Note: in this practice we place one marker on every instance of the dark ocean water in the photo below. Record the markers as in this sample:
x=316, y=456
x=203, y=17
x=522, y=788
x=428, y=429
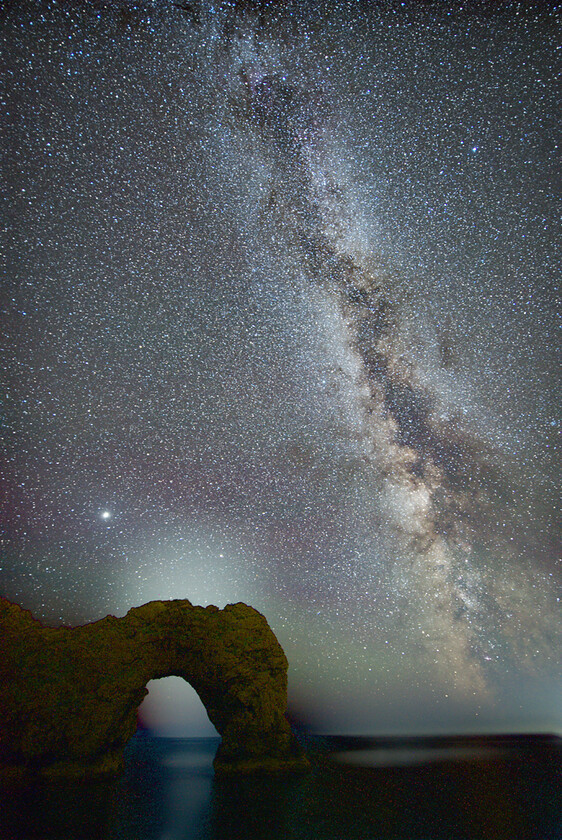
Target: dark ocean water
x=405, y=789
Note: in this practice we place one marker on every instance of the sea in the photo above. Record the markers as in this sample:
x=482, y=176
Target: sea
x=470, y=787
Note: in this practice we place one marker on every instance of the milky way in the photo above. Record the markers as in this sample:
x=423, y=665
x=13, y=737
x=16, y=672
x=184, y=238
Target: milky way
x=280, y=328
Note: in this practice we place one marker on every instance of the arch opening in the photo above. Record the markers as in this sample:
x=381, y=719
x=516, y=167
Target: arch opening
x=173, y=709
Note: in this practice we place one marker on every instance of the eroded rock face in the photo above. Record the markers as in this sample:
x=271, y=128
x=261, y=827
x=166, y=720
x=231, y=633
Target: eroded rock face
x=69, y=696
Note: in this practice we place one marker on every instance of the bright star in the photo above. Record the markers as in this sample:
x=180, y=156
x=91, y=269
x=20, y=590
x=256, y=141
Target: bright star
x=105, y=514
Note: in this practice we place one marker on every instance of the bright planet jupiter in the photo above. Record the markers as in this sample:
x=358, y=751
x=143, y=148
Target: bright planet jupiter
x=278, y=326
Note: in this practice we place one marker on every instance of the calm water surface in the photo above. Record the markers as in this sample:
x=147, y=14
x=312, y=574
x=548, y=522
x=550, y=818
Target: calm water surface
x=405, y=789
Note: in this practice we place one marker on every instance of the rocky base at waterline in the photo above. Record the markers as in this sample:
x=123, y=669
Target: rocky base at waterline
x=69, y=695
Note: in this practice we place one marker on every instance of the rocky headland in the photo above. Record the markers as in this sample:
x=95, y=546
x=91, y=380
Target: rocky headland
x=69, y=695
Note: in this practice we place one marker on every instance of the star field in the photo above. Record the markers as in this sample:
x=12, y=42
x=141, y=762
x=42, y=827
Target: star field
x=278, y=325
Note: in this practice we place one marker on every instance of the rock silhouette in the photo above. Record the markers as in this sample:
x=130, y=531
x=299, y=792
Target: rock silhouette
x=69, y=696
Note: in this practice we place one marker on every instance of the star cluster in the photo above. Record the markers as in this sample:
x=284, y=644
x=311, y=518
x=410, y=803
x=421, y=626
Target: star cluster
x=278, y=326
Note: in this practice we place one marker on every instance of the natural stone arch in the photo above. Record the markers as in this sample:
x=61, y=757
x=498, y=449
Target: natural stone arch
x=69, y=696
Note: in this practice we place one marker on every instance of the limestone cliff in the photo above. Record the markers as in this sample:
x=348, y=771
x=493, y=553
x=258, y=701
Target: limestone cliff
x=69, y=696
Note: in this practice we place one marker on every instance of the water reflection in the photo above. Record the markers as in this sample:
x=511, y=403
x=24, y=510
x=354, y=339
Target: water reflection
x=429, y=789
x=410, y=756
x=166, y=791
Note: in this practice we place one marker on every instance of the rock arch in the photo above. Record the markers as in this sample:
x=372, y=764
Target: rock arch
x=69, y=696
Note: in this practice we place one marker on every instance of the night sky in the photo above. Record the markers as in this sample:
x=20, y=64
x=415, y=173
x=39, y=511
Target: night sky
x=278, y=325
